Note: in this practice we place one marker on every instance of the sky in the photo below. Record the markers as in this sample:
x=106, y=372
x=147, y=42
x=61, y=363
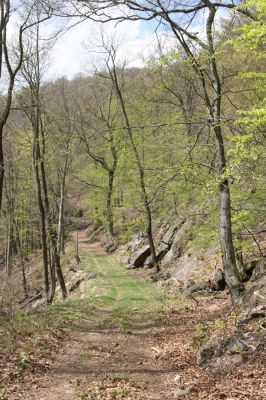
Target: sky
x=78, y=49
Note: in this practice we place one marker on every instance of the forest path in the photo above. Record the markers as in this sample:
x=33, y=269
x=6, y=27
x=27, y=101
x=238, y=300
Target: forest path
x=113, y=353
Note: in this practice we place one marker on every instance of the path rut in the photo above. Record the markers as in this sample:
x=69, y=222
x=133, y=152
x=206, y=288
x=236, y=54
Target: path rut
x=101, y=359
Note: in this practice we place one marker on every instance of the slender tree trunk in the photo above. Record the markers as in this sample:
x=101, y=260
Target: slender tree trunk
x=51, y=230
x=22, y=260
x=2, y=167
x=36, y=160
x=8, y=240
x=53, y=276
x=109, y=209
x=226, y=238
x=140, y=168
x=60, y=220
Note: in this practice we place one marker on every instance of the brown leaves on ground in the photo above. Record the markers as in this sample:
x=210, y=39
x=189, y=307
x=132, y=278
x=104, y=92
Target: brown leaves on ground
x=112, y=388
x=169, y=350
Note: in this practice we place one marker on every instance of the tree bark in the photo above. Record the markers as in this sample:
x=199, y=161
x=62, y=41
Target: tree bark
x=109, y=209
x=226, y=238
x=36, y=160
x=144, y=194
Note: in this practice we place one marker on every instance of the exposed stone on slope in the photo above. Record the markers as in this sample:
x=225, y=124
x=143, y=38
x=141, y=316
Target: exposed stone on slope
x=135, y=241
x=169, y=235
x=223, y=348
x=248, y=269
x=259, y=269
x=179, y=240
x=218, y=280
x=192, y=287
x=138, y=259
x=253, y=313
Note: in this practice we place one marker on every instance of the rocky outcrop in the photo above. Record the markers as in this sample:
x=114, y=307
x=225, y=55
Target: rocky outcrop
x=259, y=269
x=135, y=241
x=138, y=259
x=178, y=242
x=221, y=352
x=252, y=313
x=218, y=280
x=141, y=256
x=191, y=287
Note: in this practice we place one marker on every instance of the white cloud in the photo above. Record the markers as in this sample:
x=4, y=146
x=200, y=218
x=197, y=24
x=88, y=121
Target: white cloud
x=80, y=50
x=137, y=42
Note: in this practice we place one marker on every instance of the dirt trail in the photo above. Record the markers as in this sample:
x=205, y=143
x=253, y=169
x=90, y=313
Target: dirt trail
x=103, y=361
x=143, y=358
x=86, y=244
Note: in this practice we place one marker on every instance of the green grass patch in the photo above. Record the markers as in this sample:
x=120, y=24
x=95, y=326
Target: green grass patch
x=115, y=297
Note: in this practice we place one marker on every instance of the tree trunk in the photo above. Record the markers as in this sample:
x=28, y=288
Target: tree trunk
x=51, y=230
x=2, y=167
x=231, y=273
x=21, y=256
x=36, y=160
x=109, y=209
x=228, y=254
x=139, y=165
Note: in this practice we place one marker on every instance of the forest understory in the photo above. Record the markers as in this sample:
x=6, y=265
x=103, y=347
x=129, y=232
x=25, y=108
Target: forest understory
x=132, y=199
x=120, y=339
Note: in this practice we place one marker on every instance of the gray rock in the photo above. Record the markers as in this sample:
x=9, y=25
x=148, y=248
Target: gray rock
x=169, y=235
x=247, y=315
x=135, y=241
x=208, y=351
x=218, y=282
x=248, y=270
x=192, y=287
x=228, y=346
x=179, y=393
x=239, y=346
x=259, y=270
x=148, y=263
x=74, y=284
x=225, y=363
x=178, y=242
x=184, y=267
x=138, y=259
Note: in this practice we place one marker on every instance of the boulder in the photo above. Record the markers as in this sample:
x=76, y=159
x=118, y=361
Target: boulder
x=184, y=268
x=224, y=348
x=248, y=269
x=148, y=263
x=111, y=247
x=218, y=280
x=169, y=235
x=75, y=283
x=163, y=250
x=138, y=259
x=192, y=287
x=135, y=241
x=253, y=313
x=259, y=269
x=177, y=243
